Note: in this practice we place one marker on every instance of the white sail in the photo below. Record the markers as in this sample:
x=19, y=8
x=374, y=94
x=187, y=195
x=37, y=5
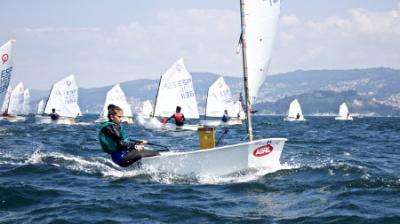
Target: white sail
x=147, y=109
x=15, y=106
x=6, y=101
x=176, y=89
x=40, y=109
x=343, y=110
x=295, y=110
x=219, y=98
x=261, y=27
x=6, y=67
x=117, y=97
x=27, y=100
x=64, y=98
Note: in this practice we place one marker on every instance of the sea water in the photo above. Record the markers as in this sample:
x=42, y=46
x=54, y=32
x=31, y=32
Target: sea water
x=331, y=171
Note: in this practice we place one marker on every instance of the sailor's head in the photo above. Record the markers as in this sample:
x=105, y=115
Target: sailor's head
x=115, y=113
x=53, y=110
x=178, y=109
x=225, y=111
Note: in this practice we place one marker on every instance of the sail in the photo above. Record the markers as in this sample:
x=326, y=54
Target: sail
x=219, y=98
x=64, y=98
x=26, y=102
x=295, y=109
x=6, y=67
x=40, y=109
x=117, y=97
x=147, y=108
x=343, y=110
x=4, y=107
x=261, y=27
x=15, y=106
x=176, y=89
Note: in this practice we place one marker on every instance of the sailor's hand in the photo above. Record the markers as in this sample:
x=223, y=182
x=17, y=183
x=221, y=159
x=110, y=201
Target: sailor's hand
x=139, y=147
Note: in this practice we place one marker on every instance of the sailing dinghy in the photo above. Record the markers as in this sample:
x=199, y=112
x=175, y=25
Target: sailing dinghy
x=64, y=99
x=117, y=97
x=15, y=107
x=175, y=89
x=40, y=108
x=344, y=114
x=295, y=113
x=259, y=23
x=219, y=99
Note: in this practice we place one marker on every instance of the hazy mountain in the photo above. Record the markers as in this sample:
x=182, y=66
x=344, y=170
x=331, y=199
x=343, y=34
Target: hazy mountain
x=373, y=91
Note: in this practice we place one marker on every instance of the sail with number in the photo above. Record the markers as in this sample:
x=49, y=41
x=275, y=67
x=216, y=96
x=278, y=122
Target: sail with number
x=15, y=106
x=64, y=98
x=219, y=98
x=6, y=67
x=262, y=19
x=176, y=89
x=117, y=97
x=40, y=109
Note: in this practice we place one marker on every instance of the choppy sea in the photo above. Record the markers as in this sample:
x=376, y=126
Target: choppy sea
x=332, y=172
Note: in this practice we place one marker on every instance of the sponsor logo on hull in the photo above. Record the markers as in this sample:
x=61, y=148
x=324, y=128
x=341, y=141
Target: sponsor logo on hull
x=263, y=150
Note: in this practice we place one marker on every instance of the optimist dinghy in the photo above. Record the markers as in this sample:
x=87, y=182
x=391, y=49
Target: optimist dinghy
x=64, y=98
x=175, y=89
x=344, y=114
x=259, y=21
x=6, y=68
x=295, y=113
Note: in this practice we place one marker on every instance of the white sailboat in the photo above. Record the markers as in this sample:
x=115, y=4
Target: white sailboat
x=175, y=89
x=6, y=67
x=16, y=104
x=219, y=99
x=64, y=99
x=344, y=114
x=295, y=113
x=147, y=109
x=4, y=107
x=117, y=97
x=262, y=18
x=40, y=108
x=239, y=110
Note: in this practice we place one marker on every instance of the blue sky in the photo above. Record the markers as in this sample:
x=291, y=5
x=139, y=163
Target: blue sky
x=104, y=42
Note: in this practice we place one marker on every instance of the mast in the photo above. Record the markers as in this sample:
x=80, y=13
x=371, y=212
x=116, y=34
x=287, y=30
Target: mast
x=245, y=72
x=156, y=98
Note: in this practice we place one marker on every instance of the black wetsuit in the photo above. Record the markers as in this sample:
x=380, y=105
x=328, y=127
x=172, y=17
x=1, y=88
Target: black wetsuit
x=54, y=116
x=126, y=152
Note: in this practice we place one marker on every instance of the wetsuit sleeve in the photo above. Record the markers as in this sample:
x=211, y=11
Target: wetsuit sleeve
x=113, y=132
x=171, y=117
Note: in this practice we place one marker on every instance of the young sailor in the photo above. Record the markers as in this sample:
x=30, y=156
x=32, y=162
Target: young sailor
x=179, y=117
x=54, y=116
x=226, y=117
x=113, y=140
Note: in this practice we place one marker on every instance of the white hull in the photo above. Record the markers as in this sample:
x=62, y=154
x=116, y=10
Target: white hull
x=294, y=119
x=343, y=118
x=48, y=120
x=155, y=124
x=216, y=123
x=13, y=118
x=219, y=161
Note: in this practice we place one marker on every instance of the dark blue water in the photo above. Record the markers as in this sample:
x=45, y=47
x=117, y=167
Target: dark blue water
x=332, y=172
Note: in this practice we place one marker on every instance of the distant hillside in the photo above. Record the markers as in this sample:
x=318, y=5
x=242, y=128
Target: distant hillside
x=373, y=91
